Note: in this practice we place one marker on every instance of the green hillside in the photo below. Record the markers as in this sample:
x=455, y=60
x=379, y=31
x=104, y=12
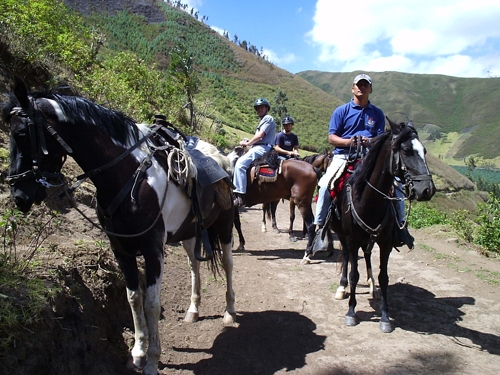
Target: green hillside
x=125, y=56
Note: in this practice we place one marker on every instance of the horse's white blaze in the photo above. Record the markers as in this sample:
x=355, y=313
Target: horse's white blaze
x=58, y=110
x=417, y=146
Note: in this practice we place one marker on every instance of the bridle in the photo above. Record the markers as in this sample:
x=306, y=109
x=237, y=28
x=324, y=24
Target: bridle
x=397, y=168
x=38, y=150
x=175, y=162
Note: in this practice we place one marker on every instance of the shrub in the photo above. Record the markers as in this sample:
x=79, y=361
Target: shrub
x=422, y=216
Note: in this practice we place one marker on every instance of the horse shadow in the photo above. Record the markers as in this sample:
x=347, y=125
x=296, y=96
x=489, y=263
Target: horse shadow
x=291, y=253
x=264, y=343
x=418, y=310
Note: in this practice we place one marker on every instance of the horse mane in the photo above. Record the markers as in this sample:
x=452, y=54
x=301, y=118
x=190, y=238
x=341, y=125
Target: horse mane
x=364, y=171
x=310, y=158
x=78, y=109
x=269, y=158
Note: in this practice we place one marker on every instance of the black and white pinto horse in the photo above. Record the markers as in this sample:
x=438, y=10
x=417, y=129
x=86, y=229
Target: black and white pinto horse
x=143, y=196
x=365, y=213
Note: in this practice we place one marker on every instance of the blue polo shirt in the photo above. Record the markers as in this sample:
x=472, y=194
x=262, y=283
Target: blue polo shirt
x=350, y=119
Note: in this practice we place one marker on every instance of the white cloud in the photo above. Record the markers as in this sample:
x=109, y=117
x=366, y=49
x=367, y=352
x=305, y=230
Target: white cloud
x=445, y=37
x=218, y=29
x=283, y=60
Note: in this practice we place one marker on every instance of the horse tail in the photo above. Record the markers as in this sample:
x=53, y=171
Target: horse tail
x=216, y=260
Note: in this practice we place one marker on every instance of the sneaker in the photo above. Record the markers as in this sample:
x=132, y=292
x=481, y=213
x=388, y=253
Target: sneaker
x=238, y=200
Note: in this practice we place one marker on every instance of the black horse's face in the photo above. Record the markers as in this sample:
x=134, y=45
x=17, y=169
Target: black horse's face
x=410, y=163
x=28, y=163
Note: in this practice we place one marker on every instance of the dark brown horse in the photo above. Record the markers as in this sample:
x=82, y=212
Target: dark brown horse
x=144, y=198
x=297, y=181
x=319, y=161
x=365, y=212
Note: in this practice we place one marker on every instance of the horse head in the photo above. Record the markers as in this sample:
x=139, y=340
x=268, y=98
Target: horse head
x=408, y=161
x=36, y=158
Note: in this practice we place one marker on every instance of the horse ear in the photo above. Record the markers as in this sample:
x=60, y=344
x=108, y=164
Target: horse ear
x=395, y=128
x=21, y=92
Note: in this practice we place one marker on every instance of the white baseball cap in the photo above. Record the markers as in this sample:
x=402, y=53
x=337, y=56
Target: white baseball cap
x=362, y=76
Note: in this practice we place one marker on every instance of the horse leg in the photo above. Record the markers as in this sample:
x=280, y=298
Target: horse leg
x=341, y=292
x=308, y=218
x=374, y=293
x=383, y=280
x=227, y=264
x=145, y=311
x=265, y=210
x=154, y=272
x=274, y=207
x=237, y=225
x=350, y=318
x=292, y=219
x=193, y=314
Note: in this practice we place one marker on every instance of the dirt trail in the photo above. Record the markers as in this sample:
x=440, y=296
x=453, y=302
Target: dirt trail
x=446, y=318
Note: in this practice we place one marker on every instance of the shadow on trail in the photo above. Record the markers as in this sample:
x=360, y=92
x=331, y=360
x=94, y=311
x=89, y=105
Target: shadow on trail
x=264, y=343
x=291, y=253
x=417, y=310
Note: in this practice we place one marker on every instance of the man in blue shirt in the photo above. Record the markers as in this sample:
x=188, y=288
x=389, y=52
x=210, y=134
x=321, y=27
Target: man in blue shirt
x=261, y=143
x=286, y=143
x=357, y=118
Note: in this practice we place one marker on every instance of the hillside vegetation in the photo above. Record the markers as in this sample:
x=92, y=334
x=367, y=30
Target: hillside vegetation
x=133, y=58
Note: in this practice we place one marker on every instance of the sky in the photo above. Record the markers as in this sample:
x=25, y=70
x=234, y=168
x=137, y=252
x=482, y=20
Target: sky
x=458, y=38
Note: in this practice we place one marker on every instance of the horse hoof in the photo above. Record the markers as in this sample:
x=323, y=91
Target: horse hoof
x=263, y=229
x=350, y=321
x=293, y=239
x=229, y=318
x=385, y=327
x=340, y=294
x=240, y=249
x=305, y=260
x=276, y=230
x=136, y=363
x=191, y=317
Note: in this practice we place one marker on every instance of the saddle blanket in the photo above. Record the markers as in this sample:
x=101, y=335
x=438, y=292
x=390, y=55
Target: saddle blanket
x=267, y=172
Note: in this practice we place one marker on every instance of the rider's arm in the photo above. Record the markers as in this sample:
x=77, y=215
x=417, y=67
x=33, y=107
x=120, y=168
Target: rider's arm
x=282, y=151
x=337, y=141
x=255, y=139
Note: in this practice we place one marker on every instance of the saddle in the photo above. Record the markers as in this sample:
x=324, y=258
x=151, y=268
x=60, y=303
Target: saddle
x=265, y=168
x=337, y=183
x=212, y=185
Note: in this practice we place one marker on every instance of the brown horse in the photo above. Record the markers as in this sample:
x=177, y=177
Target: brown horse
x=296, y=181
x=320, y=161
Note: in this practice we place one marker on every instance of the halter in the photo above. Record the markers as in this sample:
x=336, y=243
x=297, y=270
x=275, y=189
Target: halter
x=38, y=149
x=398, y=164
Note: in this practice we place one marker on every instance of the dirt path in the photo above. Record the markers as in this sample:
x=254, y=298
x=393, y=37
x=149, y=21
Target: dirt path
x=445, y=313
x=446, y=318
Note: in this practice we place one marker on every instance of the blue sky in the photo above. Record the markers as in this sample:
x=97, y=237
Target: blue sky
x=453, y=37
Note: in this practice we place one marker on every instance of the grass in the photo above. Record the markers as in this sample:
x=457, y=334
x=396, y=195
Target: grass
x=22, y=299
